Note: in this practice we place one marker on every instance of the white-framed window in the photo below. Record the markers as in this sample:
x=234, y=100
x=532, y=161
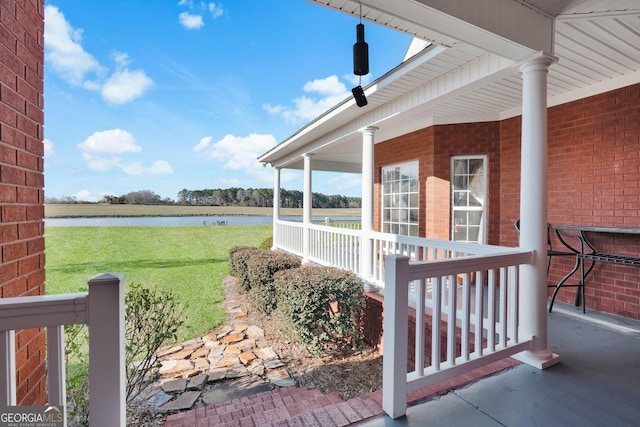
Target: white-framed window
x=469, y=198
x=400, y=199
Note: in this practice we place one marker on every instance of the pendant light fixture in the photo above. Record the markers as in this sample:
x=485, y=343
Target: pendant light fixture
x=360, y=62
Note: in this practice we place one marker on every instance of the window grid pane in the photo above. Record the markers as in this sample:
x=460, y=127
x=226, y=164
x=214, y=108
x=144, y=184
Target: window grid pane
x=400, y=199
x=468, y=193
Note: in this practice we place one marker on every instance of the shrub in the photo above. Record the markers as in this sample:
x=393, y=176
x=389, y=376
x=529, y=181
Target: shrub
x=267, y=243
x=260, y=270
x=322, y=305
x=152, y=317
x=238, y=258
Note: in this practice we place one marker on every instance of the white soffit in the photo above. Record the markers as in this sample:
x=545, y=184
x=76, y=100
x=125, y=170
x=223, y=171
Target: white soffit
x=597, y=43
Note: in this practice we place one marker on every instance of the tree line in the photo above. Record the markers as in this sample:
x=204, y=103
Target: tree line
x=262, y=197
x=251, y=197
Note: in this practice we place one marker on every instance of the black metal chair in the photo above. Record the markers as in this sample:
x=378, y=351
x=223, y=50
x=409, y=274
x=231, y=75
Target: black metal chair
x=551, y=252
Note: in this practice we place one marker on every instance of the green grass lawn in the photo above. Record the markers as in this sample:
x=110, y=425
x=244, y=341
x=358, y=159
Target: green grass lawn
x=188, y=261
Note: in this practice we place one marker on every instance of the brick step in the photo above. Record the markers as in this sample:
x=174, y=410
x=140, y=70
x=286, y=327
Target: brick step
x=288, y=406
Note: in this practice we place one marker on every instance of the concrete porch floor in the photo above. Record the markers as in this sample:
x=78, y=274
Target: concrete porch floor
x=596, y=383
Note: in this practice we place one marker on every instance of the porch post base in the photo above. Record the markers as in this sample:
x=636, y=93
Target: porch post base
x=540, y=360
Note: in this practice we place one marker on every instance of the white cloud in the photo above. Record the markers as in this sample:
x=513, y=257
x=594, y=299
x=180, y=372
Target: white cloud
x=125, y=86
x=67, y=58
x=191, y=22
x=63, y=49
x=329, y=86
x=216, y=10
x=90, y=196
x=238, y=154
x=110, y=141
x=103, y=151
x=48, y=148
x=204, y=143
x=194, y=20
x=330, y=91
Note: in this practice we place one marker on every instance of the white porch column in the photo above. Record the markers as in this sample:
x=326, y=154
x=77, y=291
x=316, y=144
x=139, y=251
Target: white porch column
x=533, y=211
x=366, y=254
x=276, y=206
x=306, y=208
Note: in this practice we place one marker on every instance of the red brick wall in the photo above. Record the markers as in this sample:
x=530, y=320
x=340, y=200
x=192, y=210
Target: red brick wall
x=414, y=146
x=433, y=147
x=594, y=179
x=22, y=179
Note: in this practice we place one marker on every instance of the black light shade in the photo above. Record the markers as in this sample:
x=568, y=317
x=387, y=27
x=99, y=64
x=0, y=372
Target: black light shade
x=358, y=94
x=360, y=53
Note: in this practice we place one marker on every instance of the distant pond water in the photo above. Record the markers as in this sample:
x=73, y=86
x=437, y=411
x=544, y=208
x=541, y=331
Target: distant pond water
x=150, y=221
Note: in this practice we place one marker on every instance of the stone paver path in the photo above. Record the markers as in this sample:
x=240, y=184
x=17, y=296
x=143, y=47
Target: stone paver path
x=233, y=362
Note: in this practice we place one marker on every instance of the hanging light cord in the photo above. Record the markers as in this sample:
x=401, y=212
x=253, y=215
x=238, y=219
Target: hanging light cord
x=360, y=77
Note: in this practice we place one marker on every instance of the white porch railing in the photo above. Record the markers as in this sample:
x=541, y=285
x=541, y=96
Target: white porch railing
x=102, y=309
x=477, y=297
x=341, y=247
x=470, y=292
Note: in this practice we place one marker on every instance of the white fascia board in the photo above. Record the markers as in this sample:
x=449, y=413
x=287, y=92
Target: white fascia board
x=285, y=152
x=505, y=27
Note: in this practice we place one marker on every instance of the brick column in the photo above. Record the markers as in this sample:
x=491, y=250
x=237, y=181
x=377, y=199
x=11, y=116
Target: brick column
x=22, y=180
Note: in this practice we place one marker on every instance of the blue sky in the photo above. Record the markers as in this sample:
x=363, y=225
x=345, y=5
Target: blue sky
x=163, y=95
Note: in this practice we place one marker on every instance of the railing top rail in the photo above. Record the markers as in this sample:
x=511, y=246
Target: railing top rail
x=463, y=247
x=336, y=230
x=42, y=310
x=445, y=267
x=291, y=223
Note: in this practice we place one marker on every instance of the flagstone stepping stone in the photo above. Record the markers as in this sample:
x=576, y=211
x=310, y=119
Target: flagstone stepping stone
x=233, y=338
x=247, y=344
x=225, y=330
x=202, y=352
x=227, y=361
x=183, y=401
x=161, y=398
x=254, y=332
x=240, y=315
x=238, y=372
x=266, y=353
x=281, y=377
x=247, y=357
x=184, y=354
x=168, y=350
x=176, y=385
x=232, y=349
x=197, y=382
x=257, y=368
x=273, y=363
x=239, y=327
x=202, y=364
x=217, y=351
x=229, y=390
x=216, y=374
x=175, y=367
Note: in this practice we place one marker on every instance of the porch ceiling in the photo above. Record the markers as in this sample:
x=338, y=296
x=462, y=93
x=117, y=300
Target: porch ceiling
x=469, y=73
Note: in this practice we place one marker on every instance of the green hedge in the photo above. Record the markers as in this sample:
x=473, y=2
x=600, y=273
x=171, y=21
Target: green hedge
x=238, y=259
x=261, y=268
x=322, y=304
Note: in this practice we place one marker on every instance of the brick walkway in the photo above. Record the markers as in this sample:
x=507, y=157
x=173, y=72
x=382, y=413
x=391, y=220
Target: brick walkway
x=300, y=407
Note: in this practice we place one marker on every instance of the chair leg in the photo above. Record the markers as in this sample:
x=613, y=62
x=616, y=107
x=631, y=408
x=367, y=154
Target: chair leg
x=561, y=282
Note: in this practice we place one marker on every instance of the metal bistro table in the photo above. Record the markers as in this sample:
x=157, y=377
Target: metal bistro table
x=573, y=237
